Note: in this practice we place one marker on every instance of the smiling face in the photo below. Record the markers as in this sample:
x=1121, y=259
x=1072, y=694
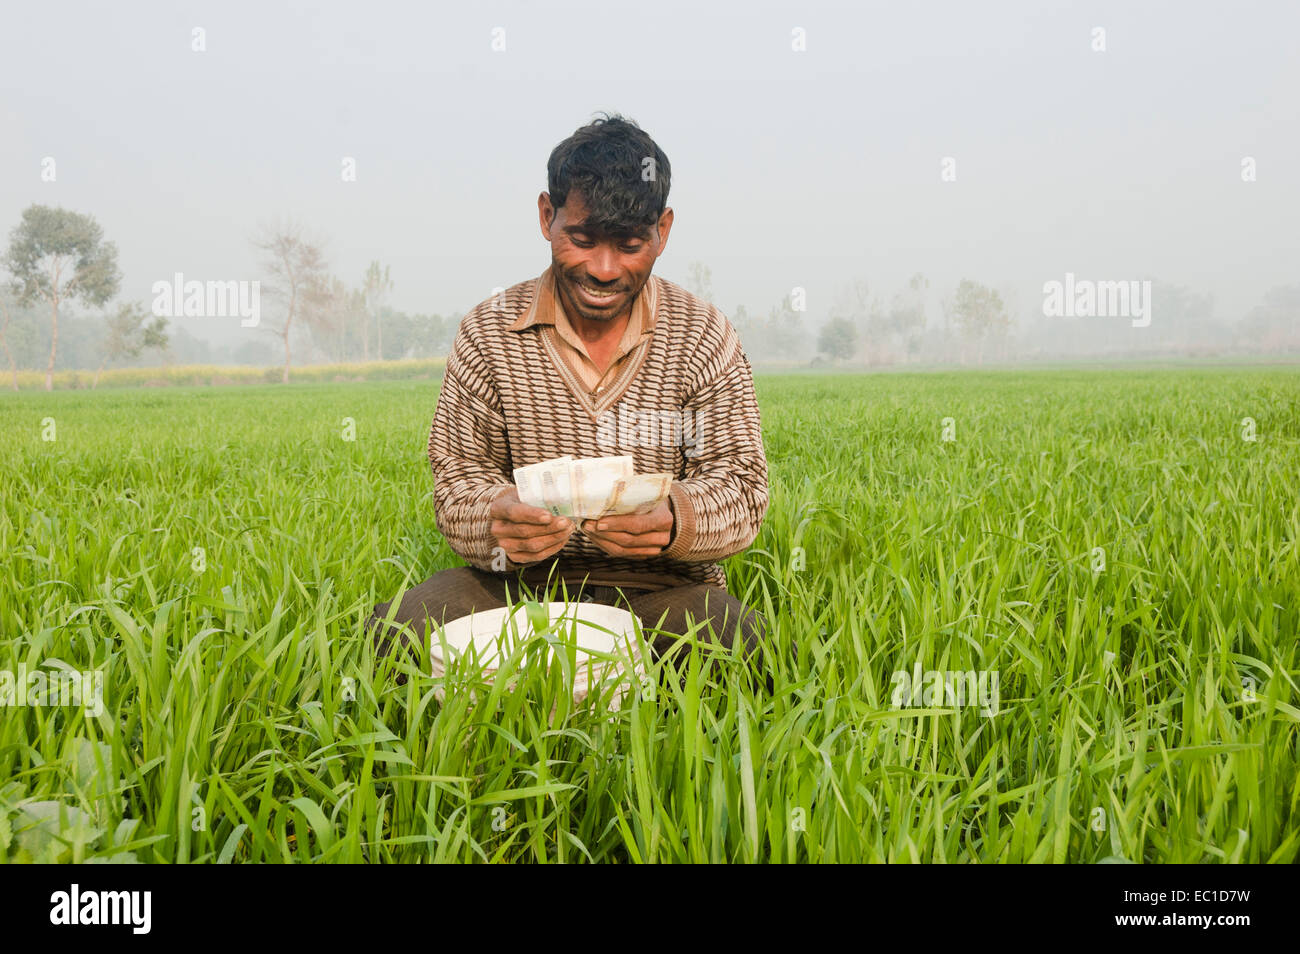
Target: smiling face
x=597, y=277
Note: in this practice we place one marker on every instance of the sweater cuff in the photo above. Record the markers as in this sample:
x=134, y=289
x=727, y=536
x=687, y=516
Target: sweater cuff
x=683, y=523
x=483, y=543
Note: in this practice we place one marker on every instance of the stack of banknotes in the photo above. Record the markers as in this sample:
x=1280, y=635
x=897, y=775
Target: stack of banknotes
x=590, y=487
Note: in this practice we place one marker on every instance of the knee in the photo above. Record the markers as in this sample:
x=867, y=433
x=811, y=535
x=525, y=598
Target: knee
x=731, y=618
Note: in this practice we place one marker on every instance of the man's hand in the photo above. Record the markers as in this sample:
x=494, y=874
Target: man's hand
x=637, y=535
x=527, y=534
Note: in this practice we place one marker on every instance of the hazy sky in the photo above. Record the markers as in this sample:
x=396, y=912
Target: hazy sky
x=789, y=168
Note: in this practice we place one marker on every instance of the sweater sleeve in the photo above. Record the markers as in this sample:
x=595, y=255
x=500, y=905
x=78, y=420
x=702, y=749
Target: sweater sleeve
x=718, y=507
x=470, y=457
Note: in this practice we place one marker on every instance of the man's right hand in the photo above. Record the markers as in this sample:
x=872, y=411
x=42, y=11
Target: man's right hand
x=527, y=534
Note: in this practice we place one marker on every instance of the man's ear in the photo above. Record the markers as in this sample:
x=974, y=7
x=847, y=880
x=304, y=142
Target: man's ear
x=664, y=228
x=545, y=214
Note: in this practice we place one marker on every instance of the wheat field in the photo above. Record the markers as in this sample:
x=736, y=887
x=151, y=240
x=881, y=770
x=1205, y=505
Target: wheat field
x=1109, y=557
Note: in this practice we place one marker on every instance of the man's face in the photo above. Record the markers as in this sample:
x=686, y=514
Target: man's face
x=596, y=276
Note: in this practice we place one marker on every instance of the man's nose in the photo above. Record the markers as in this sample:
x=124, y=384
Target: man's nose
x=603, y=265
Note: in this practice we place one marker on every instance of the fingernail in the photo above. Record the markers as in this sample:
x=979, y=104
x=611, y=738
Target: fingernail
x=601, y=525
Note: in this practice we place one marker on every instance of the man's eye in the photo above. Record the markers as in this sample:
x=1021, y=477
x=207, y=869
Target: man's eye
x=626, y=249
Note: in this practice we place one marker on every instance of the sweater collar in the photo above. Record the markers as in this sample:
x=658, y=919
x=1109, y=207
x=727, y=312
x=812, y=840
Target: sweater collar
x=545, y=304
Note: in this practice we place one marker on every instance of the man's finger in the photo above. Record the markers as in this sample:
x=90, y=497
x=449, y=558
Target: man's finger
x=538, y=544
x=528, y=556
x=633, y=523
x=630, y=539
x=507, y=506
x=533, y=544
x=506, y=528
x=523, y=513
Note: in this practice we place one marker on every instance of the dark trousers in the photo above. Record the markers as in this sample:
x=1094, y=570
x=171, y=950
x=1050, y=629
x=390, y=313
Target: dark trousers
x=665, y=614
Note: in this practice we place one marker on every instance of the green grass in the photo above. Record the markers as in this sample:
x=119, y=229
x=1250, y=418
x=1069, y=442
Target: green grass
x=1155, y=699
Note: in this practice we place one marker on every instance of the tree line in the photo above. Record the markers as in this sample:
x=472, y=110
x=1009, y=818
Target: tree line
x=971, y=323
x=57, y=258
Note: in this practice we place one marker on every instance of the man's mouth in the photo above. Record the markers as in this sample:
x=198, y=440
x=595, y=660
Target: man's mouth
x=596, y=296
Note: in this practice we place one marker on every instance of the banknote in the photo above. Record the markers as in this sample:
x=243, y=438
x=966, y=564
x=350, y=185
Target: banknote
x=546, y=485
x=639, y=493
x=589, y=487
x=592, y=482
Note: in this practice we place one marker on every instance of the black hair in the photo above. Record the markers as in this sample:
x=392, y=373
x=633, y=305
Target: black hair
x=620, y=172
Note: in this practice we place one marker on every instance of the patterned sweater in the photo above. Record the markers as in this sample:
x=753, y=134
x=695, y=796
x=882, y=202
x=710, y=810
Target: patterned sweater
x=683, y=403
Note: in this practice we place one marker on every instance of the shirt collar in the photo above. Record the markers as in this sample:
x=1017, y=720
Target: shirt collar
x=645, y=310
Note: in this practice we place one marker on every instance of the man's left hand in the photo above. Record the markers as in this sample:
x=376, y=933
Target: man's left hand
x=635, y=535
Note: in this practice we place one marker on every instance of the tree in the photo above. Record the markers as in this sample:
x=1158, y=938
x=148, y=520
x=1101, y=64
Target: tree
x=783, y=331
x=979, y=312
x=376, y=289
x=855, y=305
x=838, y=339
x=294, y=265
x=56, y=255
x=699, y=281
x=330, y=308
x=129, y=334
x=1274, y=324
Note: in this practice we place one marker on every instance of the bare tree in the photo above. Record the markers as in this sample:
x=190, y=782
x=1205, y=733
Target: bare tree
x=294, y=264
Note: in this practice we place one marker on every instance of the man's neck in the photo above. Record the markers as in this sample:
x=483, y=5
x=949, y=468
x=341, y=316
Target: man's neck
x=596, y=332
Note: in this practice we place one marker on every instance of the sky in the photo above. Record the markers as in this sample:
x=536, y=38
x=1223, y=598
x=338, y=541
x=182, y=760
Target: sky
x=807, y=168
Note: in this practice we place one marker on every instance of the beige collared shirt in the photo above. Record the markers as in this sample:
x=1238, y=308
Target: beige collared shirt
x=547, y=308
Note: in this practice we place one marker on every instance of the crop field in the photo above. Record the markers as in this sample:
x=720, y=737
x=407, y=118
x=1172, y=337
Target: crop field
x=1040, y=616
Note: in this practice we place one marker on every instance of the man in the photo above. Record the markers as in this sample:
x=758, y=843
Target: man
x=596, y=358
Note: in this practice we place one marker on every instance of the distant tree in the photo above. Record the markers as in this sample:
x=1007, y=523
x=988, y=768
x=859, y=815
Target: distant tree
x=699, y=281
x=744, y=326
x=907, y=313
x=378, y=285
x=417, y=336
x=129, y=333
x=838, y=339
x=295, y=264
x=854, y=304
x=1274, y=324
x=56, y=255
x=980, y=313
x=784, y=333
x=330, y=309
